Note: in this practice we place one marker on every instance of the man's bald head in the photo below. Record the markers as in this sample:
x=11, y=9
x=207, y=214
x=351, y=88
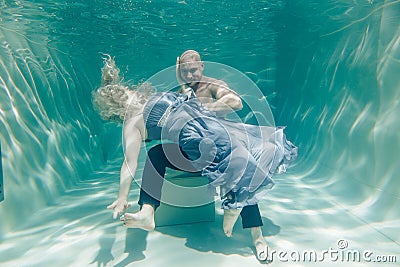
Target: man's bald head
x=189, y=55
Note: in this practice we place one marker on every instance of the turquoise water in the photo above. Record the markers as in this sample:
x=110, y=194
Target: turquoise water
x=329, y=70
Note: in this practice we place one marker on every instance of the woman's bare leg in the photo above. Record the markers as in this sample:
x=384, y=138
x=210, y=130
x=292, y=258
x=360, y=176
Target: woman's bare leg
x=230, y=218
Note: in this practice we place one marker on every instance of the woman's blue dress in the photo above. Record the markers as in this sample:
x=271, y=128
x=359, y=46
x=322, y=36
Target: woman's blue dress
x=239, y=158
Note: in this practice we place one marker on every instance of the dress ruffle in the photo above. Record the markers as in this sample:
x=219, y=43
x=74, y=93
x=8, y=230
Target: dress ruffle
x=239, y=158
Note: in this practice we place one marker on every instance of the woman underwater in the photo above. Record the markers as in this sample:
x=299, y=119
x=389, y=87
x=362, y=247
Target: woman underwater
x=238, y=158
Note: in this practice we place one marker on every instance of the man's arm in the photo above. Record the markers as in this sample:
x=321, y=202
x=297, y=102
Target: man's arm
x=226, y=100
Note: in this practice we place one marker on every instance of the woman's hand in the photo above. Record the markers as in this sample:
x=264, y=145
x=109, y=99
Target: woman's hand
x=119, y=206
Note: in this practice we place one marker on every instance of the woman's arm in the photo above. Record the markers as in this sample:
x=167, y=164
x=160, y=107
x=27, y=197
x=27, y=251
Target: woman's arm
x=133, y=140
x=182, y=87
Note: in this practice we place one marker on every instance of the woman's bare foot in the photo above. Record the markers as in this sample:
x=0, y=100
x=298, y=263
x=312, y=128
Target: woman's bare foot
x=259, y=243
x=143, y=219
x=230, y=218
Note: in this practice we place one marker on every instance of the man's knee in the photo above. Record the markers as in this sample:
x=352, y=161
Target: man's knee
x=155, y=152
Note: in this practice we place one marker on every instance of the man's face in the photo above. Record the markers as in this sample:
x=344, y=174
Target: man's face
x=191, y=72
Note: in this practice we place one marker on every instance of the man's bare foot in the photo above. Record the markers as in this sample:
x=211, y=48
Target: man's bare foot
x=230, y=218
x=259, y=243
x=143, y=219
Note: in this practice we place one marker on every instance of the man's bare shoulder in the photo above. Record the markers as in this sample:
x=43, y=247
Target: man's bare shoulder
x=213, y=81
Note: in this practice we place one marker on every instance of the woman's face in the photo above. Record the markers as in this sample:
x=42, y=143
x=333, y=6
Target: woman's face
x=191, y=72
x=133, y=102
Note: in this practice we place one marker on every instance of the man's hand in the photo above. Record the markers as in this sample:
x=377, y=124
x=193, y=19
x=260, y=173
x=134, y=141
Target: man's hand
x=119, y=206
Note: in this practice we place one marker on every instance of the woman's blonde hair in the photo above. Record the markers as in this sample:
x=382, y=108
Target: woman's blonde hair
x=115, y=101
